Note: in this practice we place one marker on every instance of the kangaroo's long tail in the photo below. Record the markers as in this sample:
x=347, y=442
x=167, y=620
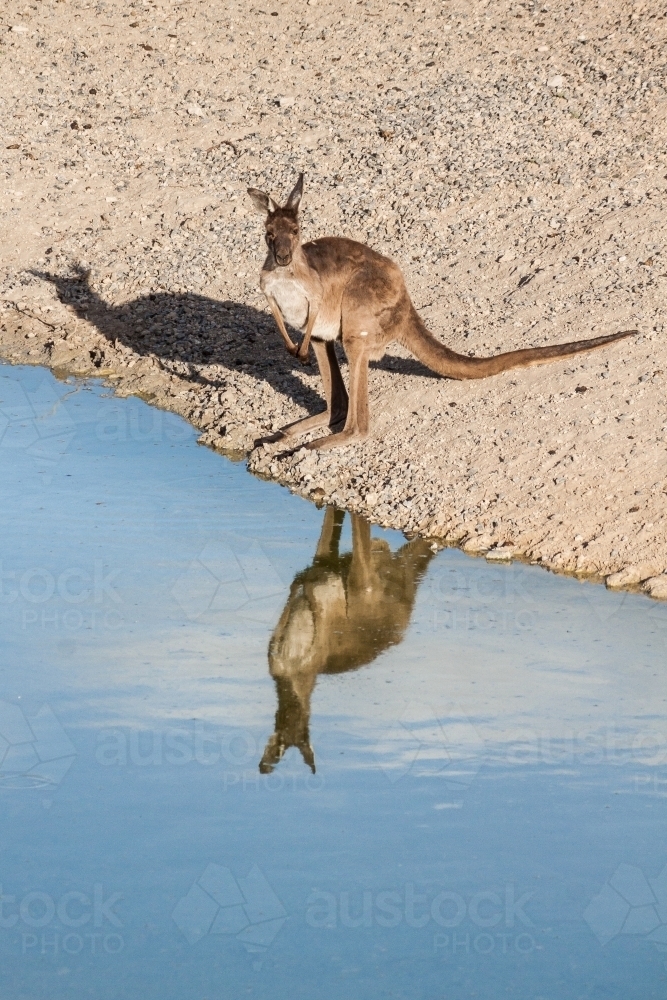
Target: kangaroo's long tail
x=458, y=366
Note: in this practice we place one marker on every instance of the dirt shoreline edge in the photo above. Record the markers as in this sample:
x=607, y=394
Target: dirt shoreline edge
x=27, y=340
x=512, y=164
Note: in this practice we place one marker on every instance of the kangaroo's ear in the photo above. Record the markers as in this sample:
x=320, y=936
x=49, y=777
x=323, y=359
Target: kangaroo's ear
x=261, y=201
x=273, y=753
x=308, y=755
x=292, y=202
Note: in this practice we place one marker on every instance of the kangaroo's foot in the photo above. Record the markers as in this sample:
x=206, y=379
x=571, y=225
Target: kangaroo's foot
x=301, y=427
x=338, y=440
x=312, y=423
x=267, y=439
x=298, y=427
x=306, y=424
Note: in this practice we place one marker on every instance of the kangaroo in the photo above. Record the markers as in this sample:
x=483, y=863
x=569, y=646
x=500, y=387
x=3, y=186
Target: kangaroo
x=338, y=289
x=341, y=613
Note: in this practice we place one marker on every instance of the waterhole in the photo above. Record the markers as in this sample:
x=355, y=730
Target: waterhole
x=249, y=747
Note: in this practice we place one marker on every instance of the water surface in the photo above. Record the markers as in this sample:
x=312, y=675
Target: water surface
x=250, y=747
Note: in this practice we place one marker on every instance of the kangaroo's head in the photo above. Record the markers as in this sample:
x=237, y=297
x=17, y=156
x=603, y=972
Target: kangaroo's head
x=283, y=235
x=291, y=730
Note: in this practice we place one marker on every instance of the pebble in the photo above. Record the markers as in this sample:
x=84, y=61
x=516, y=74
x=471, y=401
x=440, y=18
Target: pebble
x=630, y=576
x=500, y=554
x=477, y=544
x=657, y=587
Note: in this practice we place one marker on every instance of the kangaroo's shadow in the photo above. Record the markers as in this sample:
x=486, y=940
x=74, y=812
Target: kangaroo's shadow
x=404, y=366
x=192, y=329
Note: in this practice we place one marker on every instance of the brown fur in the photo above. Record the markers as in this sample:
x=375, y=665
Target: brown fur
x=336, y=288
x=341, y=613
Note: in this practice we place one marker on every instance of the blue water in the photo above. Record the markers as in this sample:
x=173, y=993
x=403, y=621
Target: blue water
x=487, y=813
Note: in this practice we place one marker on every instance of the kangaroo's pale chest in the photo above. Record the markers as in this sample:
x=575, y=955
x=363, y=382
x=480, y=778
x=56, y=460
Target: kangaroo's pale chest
x=290, y=298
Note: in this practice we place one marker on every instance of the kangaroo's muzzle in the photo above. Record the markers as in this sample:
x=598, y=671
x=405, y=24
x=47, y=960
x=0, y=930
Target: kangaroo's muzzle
x=282, y=252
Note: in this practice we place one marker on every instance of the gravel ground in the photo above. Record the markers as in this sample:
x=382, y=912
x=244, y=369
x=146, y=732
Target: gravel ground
x=511, y=158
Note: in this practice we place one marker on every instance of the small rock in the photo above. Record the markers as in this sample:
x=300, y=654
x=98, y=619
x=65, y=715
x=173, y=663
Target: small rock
x=500, y=554
x=286, y=102
x=477, y=544
x=630, y=576
x=624, y=578
x=456, y=534
x=657, y=587
x=556, y=82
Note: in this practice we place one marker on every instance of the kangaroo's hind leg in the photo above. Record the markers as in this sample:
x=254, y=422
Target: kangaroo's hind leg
x=367, y=325
x=332, y=526
x=356, y=422
x=335, y=394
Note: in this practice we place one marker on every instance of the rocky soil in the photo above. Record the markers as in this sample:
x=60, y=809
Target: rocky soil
x=510, y=156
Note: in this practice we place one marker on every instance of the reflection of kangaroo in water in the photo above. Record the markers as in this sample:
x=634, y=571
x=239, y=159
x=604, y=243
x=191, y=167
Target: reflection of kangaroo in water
x=342, y=612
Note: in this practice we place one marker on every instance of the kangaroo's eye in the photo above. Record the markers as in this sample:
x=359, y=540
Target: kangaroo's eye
x=269, y=238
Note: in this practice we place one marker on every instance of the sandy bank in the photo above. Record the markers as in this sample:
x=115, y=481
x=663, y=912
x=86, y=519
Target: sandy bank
x=510, y=158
